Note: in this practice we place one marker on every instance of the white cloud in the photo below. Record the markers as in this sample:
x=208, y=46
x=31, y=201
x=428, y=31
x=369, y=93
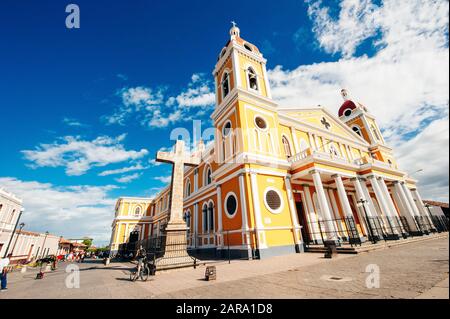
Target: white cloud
x=128, y=178
x=155, y=110
x=163, y=179
x=72, y=122
x=405, y=84
x=428, y=151
x=136, y=167
x=78, y=156
x=70, y=211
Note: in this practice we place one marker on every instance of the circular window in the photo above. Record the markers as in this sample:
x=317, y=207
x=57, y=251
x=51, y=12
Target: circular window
x=260, y=123
x=273, y=201
x=348, y=112
x=231, y=204
x=226, y=129
x=247, y=47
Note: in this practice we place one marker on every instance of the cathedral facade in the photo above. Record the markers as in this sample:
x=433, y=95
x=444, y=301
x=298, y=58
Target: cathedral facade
x=276, y=180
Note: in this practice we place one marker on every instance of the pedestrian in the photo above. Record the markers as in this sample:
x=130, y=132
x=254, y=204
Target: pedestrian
x=4, y=263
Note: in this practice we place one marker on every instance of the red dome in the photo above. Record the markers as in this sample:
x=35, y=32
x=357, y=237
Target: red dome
x=347, y=105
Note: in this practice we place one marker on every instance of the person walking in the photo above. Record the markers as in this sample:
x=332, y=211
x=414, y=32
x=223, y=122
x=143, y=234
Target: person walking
x=4, y=263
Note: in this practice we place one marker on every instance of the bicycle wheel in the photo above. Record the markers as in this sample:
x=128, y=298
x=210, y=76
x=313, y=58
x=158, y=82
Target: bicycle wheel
x=133, y=275
x=145, y=272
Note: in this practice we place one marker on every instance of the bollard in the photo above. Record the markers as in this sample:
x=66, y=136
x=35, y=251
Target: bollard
x=331, y=249
x=210, y=273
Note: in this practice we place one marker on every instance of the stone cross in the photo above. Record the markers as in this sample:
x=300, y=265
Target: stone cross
x=178, y=158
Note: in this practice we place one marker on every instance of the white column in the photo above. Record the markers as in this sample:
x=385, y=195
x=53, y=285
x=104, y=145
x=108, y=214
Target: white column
x=425, y=213
x=332, y=204
x=245, y=228
x=343, y=196
x=195, y=179
x=293, y=211
x=219, y=216
x=266, y=81
x=312, y=141
x=410, y=199
x=313, y=222
x=260, y=237
x=323, y=204
x=381, y=200
x=392, y=210
x=408, y=213
x=236, y=68
x=295, y=141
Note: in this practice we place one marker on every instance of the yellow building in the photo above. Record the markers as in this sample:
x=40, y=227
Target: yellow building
x=277, y=179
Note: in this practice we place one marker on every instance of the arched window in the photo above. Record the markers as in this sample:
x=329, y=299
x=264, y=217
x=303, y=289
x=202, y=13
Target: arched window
x=205, y=218
x=225, y=84
x=187, y=191
x=287, y=146
x=228, y=141
x=357, y=130
x=208, y=178
x=211, y=217
x=252, y=79
x=137, y=211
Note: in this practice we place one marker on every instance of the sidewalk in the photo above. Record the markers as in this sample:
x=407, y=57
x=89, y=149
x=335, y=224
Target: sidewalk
x=440, y=291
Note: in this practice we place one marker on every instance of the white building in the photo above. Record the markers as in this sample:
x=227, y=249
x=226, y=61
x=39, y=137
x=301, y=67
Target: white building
x=27, y=246
x=10, y=208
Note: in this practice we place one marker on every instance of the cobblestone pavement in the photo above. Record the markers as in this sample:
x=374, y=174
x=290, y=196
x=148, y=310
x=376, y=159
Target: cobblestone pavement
x=406, y=271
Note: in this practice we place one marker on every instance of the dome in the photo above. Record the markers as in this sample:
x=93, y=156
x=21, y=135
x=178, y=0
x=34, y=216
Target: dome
x=346, y=105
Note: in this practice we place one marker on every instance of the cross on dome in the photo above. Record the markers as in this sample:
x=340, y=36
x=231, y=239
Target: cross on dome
x=234, y=31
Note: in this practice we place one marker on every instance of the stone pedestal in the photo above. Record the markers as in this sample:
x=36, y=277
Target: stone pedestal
x=174, y=249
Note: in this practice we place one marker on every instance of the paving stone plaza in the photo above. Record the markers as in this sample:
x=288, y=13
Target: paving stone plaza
x=413, y=270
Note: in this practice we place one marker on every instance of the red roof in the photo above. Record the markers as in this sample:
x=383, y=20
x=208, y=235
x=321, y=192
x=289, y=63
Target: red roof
x=347, y=105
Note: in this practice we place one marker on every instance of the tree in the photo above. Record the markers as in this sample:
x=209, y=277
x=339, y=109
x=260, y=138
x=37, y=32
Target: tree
x=87, y=242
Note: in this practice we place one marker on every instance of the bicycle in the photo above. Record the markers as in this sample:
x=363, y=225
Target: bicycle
x=141, y=271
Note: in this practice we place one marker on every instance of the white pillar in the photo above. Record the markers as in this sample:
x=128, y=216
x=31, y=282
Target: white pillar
x=334, y=209
x=392, y=210
x=219, y=216
x=343, y=196
x=410, y=199
x=382, y=201
x=408, y=213
x=323, y=204
x=245, y=229
x=313, y=220
x=260, y=237
x=425, y=213
x=293, y=211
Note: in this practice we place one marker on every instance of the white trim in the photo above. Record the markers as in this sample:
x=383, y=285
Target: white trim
x=230, y=216
x=276, y=190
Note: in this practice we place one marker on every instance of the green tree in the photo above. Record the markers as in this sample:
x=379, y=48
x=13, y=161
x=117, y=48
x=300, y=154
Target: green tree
x=87, y=242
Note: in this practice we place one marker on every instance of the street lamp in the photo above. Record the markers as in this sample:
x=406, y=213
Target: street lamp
x=14, y=231
x=17, y=237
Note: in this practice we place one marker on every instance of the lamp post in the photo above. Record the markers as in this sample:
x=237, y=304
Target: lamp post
x=14, y=231
x=362, y=202
x=21, y=225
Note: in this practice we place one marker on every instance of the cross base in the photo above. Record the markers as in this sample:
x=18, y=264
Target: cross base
x=175, y=249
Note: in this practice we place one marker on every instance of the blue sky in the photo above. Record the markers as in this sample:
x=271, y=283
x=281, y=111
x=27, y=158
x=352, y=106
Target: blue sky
x=84, y=110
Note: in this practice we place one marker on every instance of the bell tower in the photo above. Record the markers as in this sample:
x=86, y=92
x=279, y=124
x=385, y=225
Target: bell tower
x=241, y=84
x=363, y=123
x=240, y=66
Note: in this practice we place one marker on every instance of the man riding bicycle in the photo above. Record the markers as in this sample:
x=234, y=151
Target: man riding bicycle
x=142, y=269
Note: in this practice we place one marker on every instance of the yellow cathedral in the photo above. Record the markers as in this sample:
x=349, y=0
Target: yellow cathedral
x=278, y=180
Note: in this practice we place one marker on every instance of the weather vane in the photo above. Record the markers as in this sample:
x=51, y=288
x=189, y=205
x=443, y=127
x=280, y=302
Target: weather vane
x=233, y=23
